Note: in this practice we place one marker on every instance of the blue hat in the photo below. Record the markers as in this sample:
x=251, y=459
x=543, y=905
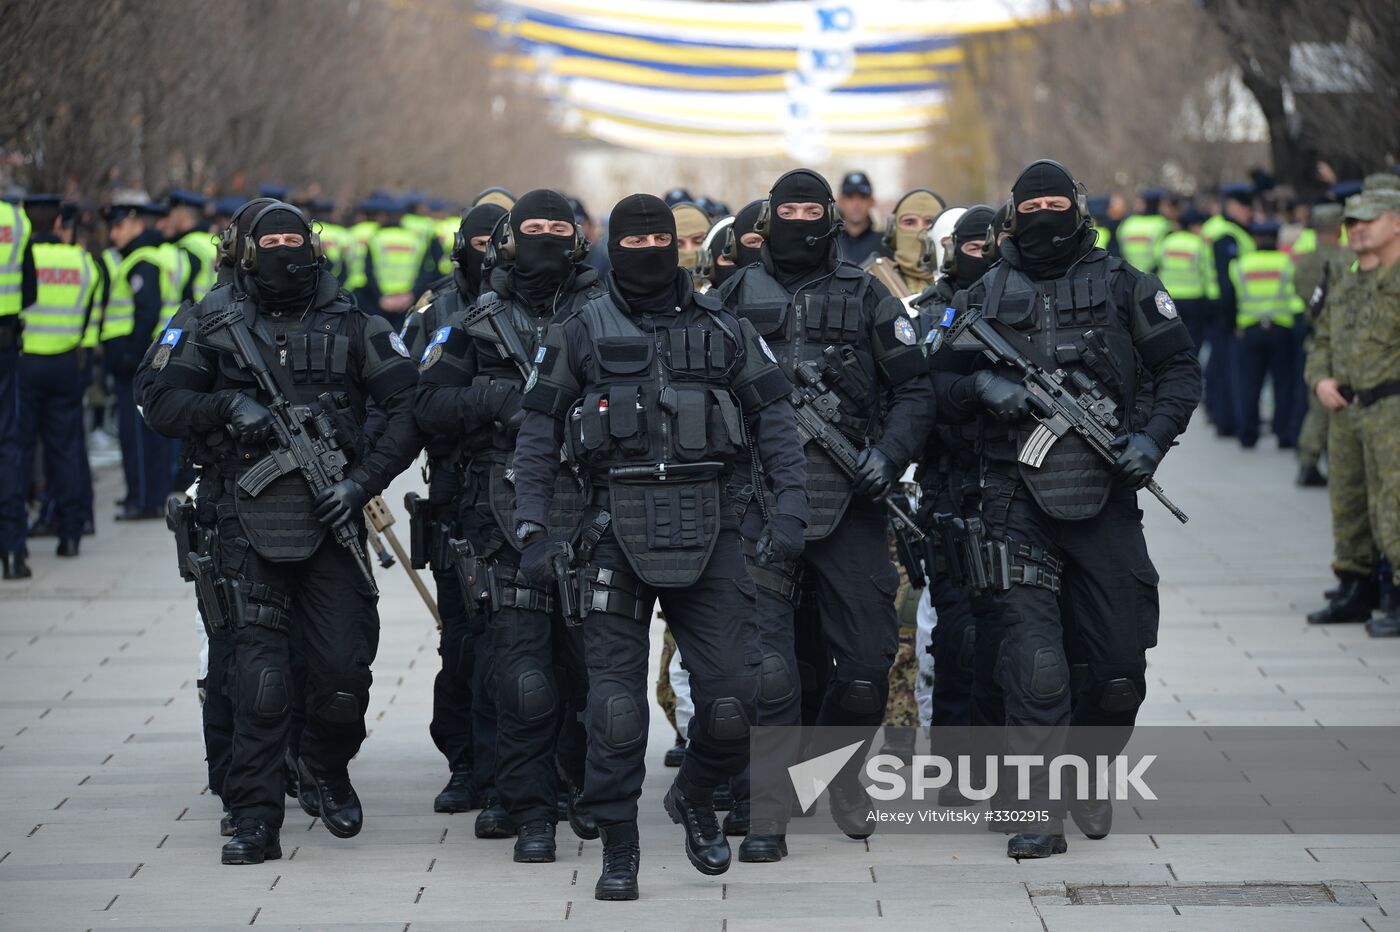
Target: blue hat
x=1098, y=205
x=187, y=198
x=1264, y=228
x=277, y=192
x=42, y=200
x=1345, y=189
x=1190, y=215
x=856, y=183
x=1152, y=194
x=321, y=205
x=437, y=204
x=677, y=196
x=229, y=205
x=121, y=209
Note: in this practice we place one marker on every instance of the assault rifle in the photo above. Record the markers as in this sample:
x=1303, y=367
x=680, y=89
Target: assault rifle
x=303, y=437
x=1063, y=401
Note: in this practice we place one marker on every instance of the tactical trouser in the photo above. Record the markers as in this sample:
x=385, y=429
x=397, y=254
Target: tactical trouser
x=778, y=587
x=451, y=724
x=326, y=600
x=541, y=688
x=953, y=642
x=713, y=623
x=1100, y=570
x=216, y=712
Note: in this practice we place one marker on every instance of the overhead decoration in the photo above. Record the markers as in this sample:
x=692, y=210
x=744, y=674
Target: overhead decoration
x=803, y=79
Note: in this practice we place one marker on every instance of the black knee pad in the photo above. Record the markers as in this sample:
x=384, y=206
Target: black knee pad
x=728, y=721
x=861, y=697
x=1047, y=677
x=272, y=698
x=1119, y=695
x=623, y=725
x=533, y=695
x=340, y=708
x=775, y=680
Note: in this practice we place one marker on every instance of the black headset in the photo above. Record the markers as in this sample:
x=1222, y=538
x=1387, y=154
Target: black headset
x=891, y=222
x=249, y=261
x=501, y=247
x=706, y=258
x=1081, y=197
x=764, y=224
x=228, y=239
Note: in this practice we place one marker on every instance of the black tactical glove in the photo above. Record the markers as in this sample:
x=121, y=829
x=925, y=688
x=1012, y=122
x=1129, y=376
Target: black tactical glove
x=537, y=559
x=499, y=401
x=1138, y=460
x=875, y=473
x=781, y=540
x=1004, y=399
x=249, y=420
x=339, y=503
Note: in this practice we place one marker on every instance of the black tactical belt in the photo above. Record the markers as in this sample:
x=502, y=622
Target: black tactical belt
x=525, y=599
x=1369, y=396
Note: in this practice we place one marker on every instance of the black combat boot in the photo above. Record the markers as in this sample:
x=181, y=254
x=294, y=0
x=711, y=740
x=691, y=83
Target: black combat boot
x=459, y=795
x=622, y=858
x=1386, y=626
x=226, y=824
x=1093, y=816
x=67, y=547
x=535, y=843
x=333, y=799
x=764, y=844
x=1356, y=599
x=253, y=842
x=850, y=810
x=493, y=821
x=736, y=821
x=899, y=742
x=675, y=754
x=724, y=797
x=705, y=844
x=579, y=818
x=15, y=565
x=1310, y=477
x=1029, y=845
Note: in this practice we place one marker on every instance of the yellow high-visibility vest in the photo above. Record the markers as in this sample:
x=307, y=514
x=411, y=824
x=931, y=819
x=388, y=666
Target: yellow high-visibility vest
x=1264, y=290
x=397, y=255
x=67, y=280
x=120, y=318
x=355, y=261
x=200, y=243
x=14, y=237
x=1186, y=267
x=447, y=229
x=1138, y=237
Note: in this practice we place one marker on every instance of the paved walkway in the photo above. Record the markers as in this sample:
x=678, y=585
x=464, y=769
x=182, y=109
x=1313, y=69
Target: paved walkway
x=105, y=822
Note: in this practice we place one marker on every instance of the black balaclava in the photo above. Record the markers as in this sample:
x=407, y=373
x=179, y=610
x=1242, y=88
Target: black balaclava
x=645, y=277
x=743, y=223
x=542, y=261
x=793, y=257
x=285, y=276
x=479, y=221
x=1047, y=240
x=970, y=228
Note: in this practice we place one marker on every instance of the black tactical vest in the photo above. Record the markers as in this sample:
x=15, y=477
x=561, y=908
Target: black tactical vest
x=314, y=350
x=805, y=326
x=495, y=453
x=1071, y=323
x=653, y=399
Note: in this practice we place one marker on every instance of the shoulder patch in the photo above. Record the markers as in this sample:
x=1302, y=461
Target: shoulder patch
x=431, y=355
x=534, y=377
x=1165, y=307
x=397, y=343
x=540, y=354
x=161, y=357
x=171, y=336
x=904, y=332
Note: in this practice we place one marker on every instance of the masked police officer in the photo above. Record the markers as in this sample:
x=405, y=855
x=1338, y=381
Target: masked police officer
x=1070, y=528
x=276, y=566
x=648, y=386
x=814, y=308
x=470, y=750
x=473, y=372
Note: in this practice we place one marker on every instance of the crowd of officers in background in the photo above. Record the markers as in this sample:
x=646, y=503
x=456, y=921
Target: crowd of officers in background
x=84, y=293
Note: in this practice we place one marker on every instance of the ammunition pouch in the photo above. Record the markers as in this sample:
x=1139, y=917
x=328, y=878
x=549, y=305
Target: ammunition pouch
x=428, y=534
x=180, y=518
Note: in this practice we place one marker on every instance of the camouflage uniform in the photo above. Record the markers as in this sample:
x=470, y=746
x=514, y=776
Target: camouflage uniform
x=1308, y=277
x=665, y=695
x=902, y=708
x=1356, y=344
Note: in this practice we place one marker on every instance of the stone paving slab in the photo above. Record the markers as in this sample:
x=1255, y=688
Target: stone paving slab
x=105, y=820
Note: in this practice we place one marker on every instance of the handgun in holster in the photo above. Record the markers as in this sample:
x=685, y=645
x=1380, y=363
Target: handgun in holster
x=470, y=570
x=421, y=531
x=214, y=595
x=976, y=563
x=179, y=517
x=567, y=581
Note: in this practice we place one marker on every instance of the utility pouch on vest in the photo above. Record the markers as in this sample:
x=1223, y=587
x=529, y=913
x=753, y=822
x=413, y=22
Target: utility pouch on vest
x=420, y=531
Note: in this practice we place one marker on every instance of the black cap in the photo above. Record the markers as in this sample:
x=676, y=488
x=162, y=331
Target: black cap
x=857, y=183
x=42, y=200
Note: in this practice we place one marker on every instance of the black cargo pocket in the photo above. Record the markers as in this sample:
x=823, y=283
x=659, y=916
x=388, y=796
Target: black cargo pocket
x=691, y=423
x=627, y=419
x=1018, y=310
x=726, y=430
x=767, y=319
x=623, y=355
x=593, y=424
x=1149, y=608
x=674, y=519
